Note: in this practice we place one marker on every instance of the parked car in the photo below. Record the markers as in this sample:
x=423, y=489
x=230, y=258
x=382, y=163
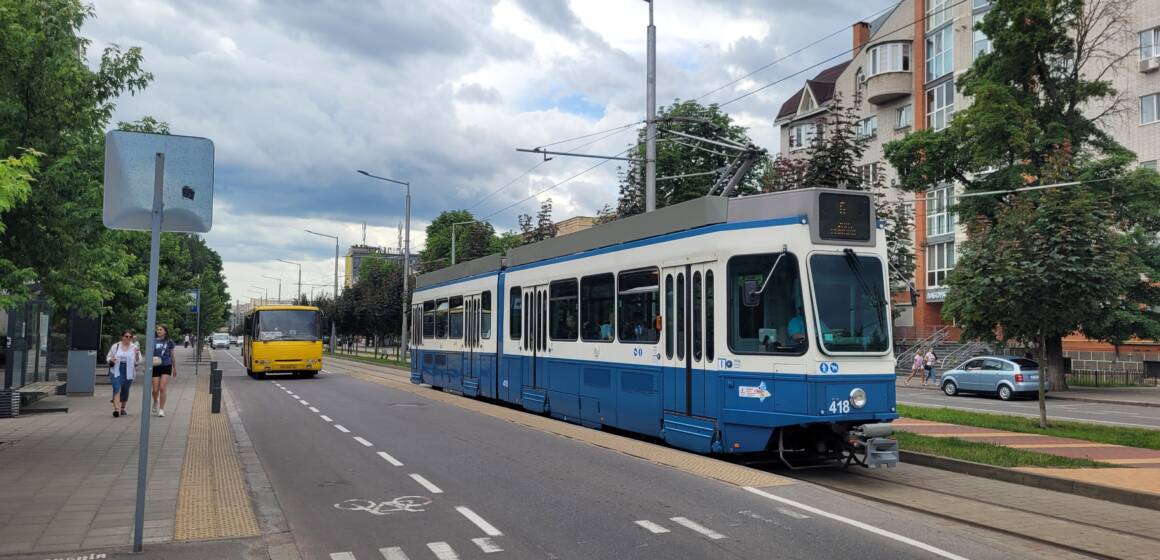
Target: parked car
x=1004, y=376
x=219, y=340
x=235, y=340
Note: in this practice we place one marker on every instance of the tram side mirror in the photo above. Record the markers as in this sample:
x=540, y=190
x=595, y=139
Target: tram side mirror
x=749, y=295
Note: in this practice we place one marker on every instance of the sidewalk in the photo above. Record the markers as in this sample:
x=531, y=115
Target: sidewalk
x=1137, y=396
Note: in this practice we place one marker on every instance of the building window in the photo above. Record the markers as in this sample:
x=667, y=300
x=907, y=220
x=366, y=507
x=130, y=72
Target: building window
x=807, y=103
x=1148, y=165
x=802, y=136
x=938, y=12
x=1150, y=43
x=639, y=304
x=982, y=4
x=562, y=310
x=940, y=260
x=891, y=57
x=940, y=47
x=868, y=127
x=596, y=307
x=939, y=218
x=940, y=105
x=869, y=174
x=905, y=116
x=1150, y=108
x=982, y=42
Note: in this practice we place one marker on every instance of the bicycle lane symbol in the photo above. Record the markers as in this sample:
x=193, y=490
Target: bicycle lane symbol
x=407, y=504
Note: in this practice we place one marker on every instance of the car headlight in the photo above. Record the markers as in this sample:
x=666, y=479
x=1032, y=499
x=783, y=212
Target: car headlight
x=858, y=398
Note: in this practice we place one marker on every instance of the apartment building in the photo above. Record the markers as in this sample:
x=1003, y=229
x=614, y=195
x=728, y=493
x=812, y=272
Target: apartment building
x=901, y=78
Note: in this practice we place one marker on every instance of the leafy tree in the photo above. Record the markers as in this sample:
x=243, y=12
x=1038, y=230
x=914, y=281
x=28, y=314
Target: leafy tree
x=681, y=156
x=542, y=227
x=1085, y=256
x=16, y=178
x=785, y=174
x=504, y=242
x=473, y=240
x=837, y=151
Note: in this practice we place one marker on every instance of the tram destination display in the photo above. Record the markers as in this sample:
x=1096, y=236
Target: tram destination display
x=844, y=217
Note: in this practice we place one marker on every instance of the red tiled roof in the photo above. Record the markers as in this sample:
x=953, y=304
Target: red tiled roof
x=821, y=86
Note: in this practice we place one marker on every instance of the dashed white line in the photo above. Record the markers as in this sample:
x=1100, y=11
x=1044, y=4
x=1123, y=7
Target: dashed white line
x=792, y=513
x=390, y=459
x=314, y=410
x=443, y=551
x=487, y=545
x=342, y=556
x=393, y=553
x=652, y=527
x=480, y=522
x=293, y=396
x=341, y=428
x=870, y=528
x=693, y=525
x=426, y=484
x=325, y=417
x=363, y=441
x=304, y=403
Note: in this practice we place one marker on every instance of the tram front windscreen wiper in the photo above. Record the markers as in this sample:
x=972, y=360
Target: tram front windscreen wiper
x=876, y=297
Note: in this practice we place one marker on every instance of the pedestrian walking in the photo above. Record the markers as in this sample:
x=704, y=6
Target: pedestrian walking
x=916, y=366
x=928, y=362
x=123, y=359
x=163, y=368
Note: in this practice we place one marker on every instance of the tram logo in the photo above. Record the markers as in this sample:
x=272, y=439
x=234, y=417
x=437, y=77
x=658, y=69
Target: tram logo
x=750, y=392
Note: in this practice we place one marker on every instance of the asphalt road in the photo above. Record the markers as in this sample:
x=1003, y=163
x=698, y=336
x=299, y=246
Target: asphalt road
x=343, y=455
x=1103, y=413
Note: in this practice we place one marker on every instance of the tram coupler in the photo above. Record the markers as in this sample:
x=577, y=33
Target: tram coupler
x=872, y=441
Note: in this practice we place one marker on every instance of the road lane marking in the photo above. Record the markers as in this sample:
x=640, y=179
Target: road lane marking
x=426, y=484
x=390, y=459
x=443, y=551
x=342, y=556
x=653, y=527
x=487, y=545
x=363, y=441
x=293, y=396
x=314, y=410
x=393, y=553
x=690, y=524
x=341, y=428
x=304, y=403
x=865, y=527
x=792, y=513
x=325, y=417
x=323, y=371
x=480, y=522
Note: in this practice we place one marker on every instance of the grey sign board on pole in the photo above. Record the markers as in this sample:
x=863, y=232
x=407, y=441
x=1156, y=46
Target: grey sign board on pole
x=155, y=182
x=188, y=179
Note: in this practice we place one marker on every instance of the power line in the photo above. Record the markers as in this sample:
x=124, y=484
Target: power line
x=616, y=129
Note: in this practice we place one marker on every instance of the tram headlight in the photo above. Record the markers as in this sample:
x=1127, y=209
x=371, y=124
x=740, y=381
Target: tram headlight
x=857, y=398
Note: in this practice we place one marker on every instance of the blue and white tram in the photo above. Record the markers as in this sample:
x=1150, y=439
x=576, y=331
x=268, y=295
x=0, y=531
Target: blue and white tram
x=737, y=325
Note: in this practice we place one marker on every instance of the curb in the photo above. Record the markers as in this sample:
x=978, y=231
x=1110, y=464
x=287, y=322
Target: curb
x=1035, y=480
x=1058, y=397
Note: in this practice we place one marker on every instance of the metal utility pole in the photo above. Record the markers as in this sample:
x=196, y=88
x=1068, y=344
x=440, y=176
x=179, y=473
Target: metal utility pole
x=333, y=325
x=650, y=138
x=453, y=257
x=279, y=280
x=406, y=260
x=299, y=276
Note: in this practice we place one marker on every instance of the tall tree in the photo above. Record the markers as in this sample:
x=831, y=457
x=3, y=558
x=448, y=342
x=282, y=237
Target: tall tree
x=16, y=179
x=1085, y=255
x=472, y=240
x=540, y=228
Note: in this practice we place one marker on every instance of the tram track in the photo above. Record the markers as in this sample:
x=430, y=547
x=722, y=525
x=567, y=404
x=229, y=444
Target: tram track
x=1067, y=533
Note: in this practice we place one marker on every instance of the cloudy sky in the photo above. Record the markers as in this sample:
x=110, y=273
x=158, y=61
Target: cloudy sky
x=299, y=94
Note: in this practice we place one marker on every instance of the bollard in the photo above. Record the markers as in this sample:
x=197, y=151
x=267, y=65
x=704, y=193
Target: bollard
x=216, y=400
x=215, y=380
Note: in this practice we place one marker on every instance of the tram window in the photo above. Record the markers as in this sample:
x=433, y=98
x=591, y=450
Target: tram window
x=441, y=318
x=455, y=327
x=485, y=314
x=515, y=313
x=709, y=315
x=669, y=315
x=597, y=308
x=681, y=299
x=429, y=319
x=772, y=321
x=562, y=311
x=639, y=305
x=697, y=316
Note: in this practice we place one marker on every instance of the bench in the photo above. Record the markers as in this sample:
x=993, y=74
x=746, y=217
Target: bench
x=34, y=391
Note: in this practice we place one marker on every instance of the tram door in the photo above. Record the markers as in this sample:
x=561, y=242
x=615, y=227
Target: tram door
x=686, y=337
x=471, y=336
x=536, y=340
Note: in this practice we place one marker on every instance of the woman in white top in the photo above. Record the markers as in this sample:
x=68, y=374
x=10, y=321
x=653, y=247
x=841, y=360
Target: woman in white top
x=123, y=359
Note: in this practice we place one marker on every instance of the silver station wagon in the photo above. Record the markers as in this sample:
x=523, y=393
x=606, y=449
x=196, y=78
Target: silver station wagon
x=1005, y=376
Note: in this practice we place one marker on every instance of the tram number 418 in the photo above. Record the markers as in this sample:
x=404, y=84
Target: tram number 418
x=840, y=407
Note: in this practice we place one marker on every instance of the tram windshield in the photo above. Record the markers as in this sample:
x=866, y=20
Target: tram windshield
x=851, y=307
x=288, y=324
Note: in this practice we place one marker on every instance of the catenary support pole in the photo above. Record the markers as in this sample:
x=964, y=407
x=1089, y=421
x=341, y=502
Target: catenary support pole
x=650, y=137
x=150, y=326
x=333, y=324
x=406, y=275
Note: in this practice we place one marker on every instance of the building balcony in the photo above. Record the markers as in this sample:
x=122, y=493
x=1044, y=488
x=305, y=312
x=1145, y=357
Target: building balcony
x=887, y=87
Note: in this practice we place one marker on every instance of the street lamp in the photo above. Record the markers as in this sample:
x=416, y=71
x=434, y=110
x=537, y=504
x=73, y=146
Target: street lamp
x=333, y=329
x=264, y=292
x=299, y=275
x=279, y=286
x=406, y=259
x=453, y=235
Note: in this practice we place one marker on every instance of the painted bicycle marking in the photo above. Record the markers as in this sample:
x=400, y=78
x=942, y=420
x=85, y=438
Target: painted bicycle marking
x=409, y=504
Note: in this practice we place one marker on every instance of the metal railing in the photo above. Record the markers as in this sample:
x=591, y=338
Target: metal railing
x=933, y=336
x=1094, y=378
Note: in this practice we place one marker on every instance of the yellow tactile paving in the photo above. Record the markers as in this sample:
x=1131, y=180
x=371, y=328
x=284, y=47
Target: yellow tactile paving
x=213, y=502
x=1140, y=480
x=692, y=463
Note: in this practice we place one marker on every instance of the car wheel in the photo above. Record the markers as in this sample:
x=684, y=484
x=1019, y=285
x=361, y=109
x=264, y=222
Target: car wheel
x=1005, y=393
x=950, y=388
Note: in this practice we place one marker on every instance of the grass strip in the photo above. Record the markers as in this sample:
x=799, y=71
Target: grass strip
x=371, y=360
x=1116, y=435
x=989, y=453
